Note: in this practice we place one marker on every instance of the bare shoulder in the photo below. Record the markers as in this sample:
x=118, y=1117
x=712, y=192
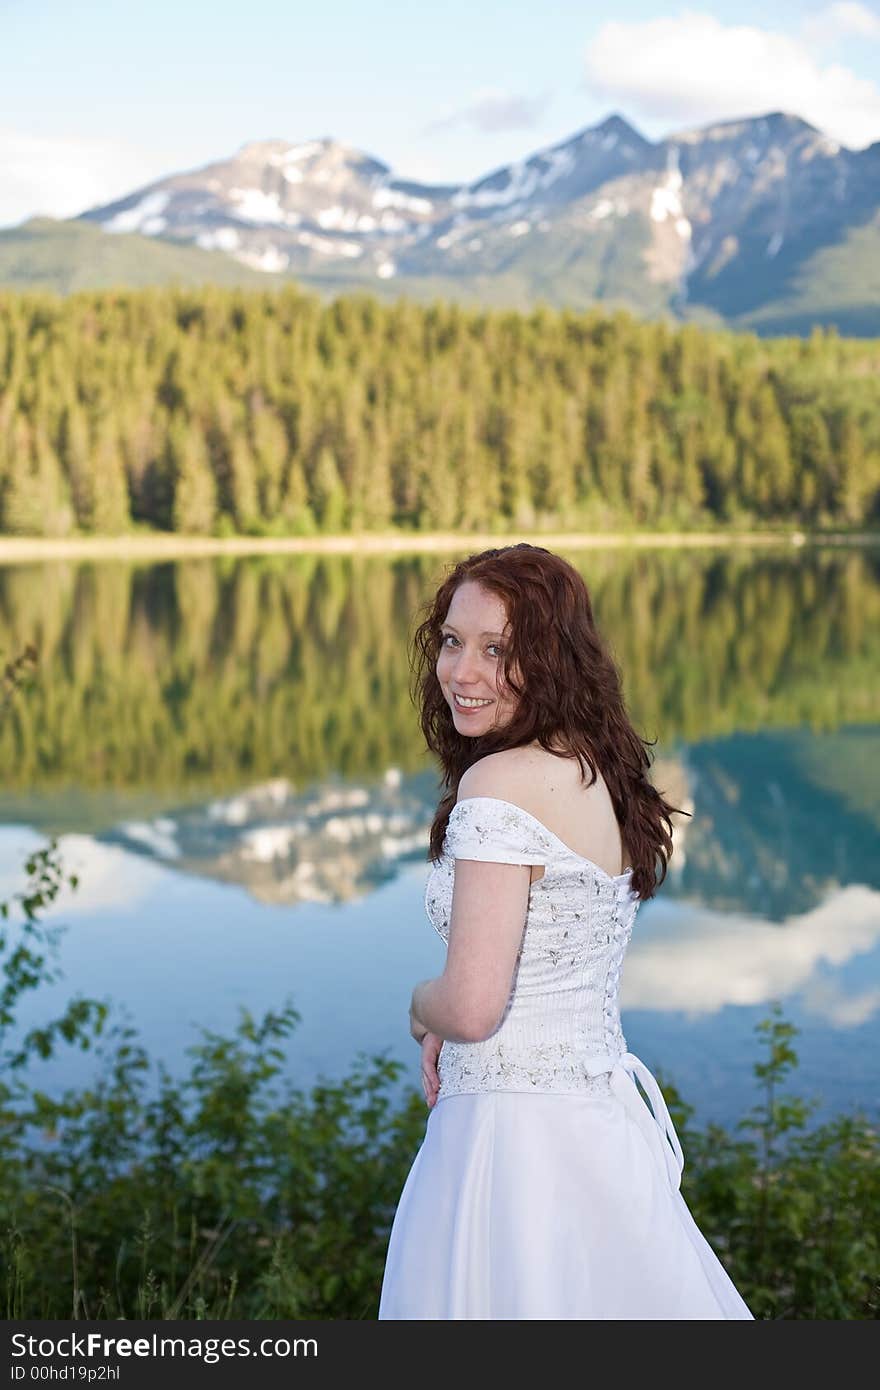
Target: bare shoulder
x=522, y=775
x=554, y=791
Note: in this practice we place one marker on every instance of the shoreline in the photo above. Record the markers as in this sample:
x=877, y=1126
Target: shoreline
x=25, y=549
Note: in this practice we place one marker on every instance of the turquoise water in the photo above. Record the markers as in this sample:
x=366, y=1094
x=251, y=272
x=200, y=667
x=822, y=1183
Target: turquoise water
x=246, y=804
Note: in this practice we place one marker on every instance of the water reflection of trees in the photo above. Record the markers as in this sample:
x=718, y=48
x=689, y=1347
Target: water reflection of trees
x=203, y=672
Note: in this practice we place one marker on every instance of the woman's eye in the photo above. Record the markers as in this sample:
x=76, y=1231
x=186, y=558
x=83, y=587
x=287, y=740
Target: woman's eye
x=448, y=637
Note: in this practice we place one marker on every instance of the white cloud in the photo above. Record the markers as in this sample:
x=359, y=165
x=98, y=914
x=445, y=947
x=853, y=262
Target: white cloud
x=60, y=176
x=491, y=111
x=694, y=69
x=699, y=960
x=842, y=21
x=110, y=878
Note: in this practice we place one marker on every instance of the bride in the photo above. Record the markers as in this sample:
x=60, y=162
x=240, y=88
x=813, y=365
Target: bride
x=546, y=1186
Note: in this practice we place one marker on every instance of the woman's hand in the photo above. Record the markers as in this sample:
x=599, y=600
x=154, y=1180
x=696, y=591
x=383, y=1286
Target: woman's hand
x=431, y=1045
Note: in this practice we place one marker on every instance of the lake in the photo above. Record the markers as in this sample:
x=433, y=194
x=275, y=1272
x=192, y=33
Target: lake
x=228, y=753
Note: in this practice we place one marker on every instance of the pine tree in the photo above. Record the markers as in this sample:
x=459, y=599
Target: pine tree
x=328, y=495
x=139, y=442
x=195, y=490
x=851, y=490
x=243, y=485
x=772, y=455
x=110, y=509
x=34, y=495
x=811, y=447
x=76, y=447
x=297, y=517
x=270, y=452
x=376, y=502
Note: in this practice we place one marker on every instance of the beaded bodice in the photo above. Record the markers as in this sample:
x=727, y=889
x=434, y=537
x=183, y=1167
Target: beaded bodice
x=562, y=1017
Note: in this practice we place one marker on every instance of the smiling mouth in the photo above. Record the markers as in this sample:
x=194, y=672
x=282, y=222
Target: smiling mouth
x=482, y=704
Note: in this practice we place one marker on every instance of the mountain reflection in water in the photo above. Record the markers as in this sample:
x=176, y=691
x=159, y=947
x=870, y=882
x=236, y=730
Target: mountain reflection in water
x=231, y=758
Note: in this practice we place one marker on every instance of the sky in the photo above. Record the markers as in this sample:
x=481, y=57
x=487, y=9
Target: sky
x=98, y=99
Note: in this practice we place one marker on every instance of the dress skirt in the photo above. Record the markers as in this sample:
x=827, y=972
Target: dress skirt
x=546, y=1206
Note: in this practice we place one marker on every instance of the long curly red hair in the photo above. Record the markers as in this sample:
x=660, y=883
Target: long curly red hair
x=571, y=691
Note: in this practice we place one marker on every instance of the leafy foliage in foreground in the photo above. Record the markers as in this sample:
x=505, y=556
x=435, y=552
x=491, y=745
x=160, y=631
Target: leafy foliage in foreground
x=233, y=1195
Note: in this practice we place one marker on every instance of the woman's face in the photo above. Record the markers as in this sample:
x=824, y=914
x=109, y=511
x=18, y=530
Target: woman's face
x=473, y=638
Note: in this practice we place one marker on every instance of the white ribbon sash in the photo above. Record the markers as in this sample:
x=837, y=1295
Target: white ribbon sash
x=657, y=1127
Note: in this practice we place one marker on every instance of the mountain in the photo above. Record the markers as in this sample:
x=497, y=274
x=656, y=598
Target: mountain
x=785, y=225
x=763, y=223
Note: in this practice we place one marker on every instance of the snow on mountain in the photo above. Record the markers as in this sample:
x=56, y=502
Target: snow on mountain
x=709, y=216
x=145, y=216
x=275, y=205
x=324, y=201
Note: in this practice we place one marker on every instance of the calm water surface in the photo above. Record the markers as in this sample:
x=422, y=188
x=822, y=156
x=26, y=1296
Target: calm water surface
x=230, y=758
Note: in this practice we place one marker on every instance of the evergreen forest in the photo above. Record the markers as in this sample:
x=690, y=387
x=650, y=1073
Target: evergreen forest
x=217, y=411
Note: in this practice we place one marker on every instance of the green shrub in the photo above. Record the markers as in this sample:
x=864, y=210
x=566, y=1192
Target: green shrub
x=231, y=1194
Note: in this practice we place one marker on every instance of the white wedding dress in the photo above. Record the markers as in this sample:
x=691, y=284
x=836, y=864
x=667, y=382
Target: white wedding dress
x=545, y=1187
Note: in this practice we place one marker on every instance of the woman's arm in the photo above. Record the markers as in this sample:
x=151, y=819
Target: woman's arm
x=489, y=906
x=436, y=1011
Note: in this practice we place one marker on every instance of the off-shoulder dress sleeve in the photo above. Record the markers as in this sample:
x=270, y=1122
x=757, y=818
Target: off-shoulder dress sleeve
x=484, y=827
